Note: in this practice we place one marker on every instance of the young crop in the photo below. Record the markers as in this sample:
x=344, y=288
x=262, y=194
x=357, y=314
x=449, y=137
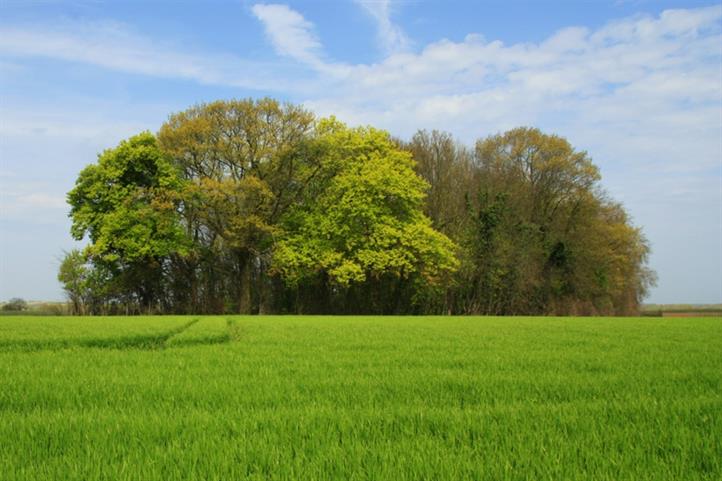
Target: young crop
x=207, y=330
x=363, y=398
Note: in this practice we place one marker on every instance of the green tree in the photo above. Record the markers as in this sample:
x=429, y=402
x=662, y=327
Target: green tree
x=361, y=220
x=544, y=238
x=73, y=275
x=239, y=159
x=127, y=204
x=15, y=304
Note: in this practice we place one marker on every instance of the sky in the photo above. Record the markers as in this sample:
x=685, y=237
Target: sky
x=637, y=84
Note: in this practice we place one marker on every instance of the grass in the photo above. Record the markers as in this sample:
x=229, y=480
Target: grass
x=207, y=330
x=362, y=398
x=34, y=333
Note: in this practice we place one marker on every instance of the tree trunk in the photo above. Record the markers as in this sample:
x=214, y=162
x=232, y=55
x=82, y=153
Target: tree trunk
x=245, y=300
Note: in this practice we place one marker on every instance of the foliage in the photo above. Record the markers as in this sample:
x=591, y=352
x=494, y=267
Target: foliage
x=15, y=304
x=254, y=206
x=127, y=205
x=73, y=275
x=365, y=221
x=537, y=234
x=237, y=160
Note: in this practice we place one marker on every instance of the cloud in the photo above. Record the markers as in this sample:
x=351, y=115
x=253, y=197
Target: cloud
x=391, y=37
x=32, y=201
x=115, y=46
x=293, y=36
x=660, y=72
x=42, y=200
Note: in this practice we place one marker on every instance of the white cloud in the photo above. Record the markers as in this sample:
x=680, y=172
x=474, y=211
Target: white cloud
x=115, y=46
x=33, y=201
x=42, y=200
x=391, y=37
x=662, y=73
x=293, y=36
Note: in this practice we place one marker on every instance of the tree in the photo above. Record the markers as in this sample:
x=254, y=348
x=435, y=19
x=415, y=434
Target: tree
x=15, y=304
x=238, y=158
x=361, y=221
x=127, y=205
x=73, y=275
x=254, y=206
x=448, y=168
x=544, y=238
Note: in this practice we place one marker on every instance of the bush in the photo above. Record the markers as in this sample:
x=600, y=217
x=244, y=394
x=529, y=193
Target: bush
x=15, y=304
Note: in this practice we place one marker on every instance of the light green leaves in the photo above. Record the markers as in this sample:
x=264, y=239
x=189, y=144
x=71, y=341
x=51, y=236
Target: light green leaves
x=127, y=203
x=366, y=220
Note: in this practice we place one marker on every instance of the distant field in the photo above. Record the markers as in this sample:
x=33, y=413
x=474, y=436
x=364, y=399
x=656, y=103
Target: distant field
x=682, y=310
x=352, y=398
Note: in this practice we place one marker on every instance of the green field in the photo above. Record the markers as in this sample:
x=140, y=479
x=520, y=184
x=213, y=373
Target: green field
x=342, y=398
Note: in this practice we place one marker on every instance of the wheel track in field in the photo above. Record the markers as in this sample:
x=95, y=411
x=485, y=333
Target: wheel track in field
x=139, y=342
x=229, y=335
x=142, y=342
x=234, y=330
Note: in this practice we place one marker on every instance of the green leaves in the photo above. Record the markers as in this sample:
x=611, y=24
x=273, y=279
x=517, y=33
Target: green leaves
x=255, y=206
x=127, y=203
x=366, y=220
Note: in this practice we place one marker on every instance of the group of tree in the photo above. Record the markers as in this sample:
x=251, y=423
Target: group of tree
x=16, y=304
x=253, y=206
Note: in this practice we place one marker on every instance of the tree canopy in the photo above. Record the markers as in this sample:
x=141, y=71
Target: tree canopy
x=255, y=206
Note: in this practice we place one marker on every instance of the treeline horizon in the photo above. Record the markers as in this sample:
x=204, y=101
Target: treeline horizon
x=258, y=207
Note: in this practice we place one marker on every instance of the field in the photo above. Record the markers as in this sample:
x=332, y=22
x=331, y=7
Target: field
x=341, y=398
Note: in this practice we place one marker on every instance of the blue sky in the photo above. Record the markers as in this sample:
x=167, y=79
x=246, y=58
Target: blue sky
x=638, y=84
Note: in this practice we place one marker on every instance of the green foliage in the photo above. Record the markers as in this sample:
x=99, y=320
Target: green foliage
x=393, y=398
x=537, y=234
x=15, y=304
x=364, y=221
x=237, y=160
x=253, y=206
x=74, y=274
x=126, y=203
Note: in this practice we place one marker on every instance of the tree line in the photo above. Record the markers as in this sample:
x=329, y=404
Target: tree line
x=255, y=206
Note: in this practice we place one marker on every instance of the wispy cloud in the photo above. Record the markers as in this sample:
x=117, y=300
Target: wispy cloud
x=293, y=36
x=390, y=35
x=32, y=201
x=118, y=47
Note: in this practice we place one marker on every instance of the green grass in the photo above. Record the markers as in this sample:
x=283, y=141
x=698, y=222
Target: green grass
x=33, y=333
x=207, y=330
x=363, y=398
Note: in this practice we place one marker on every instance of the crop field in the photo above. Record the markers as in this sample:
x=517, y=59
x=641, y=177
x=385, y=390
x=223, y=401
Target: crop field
x=360, y=398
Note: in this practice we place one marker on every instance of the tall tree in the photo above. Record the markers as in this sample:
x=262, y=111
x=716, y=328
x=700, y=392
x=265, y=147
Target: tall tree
x=126, y=204
x=545, y=230
x=361, y=223
x=238, y=158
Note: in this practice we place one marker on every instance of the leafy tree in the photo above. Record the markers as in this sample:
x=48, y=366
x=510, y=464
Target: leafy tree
x=15, y=304
x=73, y=275
x=363, y=221
x=238, y=158
x=254, y=206
x=550, y=239
x=127, y=205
